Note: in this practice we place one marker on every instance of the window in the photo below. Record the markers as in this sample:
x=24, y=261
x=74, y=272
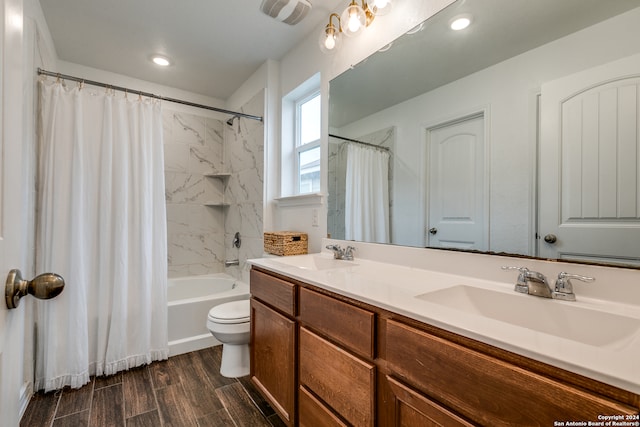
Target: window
x=307, y=143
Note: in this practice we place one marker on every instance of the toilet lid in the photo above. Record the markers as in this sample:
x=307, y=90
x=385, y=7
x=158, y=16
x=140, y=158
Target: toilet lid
x=231, y=312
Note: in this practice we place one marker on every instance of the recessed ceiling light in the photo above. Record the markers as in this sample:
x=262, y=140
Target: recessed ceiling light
x=460, y=22
x=160, y=60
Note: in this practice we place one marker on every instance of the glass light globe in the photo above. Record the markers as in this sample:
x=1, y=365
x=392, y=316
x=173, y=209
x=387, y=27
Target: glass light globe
x=353, y=19
x=381, y=7
x=330, y=39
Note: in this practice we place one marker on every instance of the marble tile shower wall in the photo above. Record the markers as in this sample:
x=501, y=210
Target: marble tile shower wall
x=244, y=158
x=200, y=236
x=193, y=146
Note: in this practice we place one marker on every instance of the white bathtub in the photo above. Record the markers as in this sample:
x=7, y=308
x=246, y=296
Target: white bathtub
x=189, y=300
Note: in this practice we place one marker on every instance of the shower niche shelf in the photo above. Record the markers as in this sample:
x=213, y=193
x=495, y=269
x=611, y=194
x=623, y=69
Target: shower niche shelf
x=218, y=175
x=222, y=176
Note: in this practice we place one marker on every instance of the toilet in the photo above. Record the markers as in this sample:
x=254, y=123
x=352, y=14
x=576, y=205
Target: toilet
x=229, y=324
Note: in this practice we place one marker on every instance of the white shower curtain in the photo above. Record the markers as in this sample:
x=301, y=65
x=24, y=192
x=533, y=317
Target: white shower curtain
x=102, y=226
x=367, y=194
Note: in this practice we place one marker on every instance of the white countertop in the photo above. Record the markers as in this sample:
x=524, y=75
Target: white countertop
x=395, y=287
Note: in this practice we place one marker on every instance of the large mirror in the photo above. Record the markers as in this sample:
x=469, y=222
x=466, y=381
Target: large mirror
x=519, y=134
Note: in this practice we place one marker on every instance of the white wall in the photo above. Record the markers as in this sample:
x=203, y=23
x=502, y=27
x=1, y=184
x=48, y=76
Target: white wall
x=304, y=61
x=508, y=91
x=38, y=51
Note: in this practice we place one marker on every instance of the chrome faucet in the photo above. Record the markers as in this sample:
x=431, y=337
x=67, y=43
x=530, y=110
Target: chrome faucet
x=531, y=282
x=339, y=253
x=534, y=283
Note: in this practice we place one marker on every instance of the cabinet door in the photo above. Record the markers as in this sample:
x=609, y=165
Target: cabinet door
x=273, y=364
x=413, y=409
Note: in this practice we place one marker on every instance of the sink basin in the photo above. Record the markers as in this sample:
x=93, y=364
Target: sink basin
x=314, y=262
x=551, y=317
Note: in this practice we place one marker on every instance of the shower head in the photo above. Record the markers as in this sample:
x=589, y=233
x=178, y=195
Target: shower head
x=230, y=121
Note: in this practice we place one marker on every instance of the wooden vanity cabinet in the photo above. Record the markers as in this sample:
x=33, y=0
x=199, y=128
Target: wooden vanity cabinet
x=326, y=360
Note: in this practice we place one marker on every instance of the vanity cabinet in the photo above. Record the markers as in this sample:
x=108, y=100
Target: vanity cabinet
x=323, y=359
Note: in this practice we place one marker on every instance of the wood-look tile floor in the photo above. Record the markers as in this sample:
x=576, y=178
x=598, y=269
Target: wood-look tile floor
x=185, y=390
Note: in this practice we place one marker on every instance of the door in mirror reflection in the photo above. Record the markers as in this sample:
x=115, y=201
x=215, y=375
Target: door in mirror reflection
x=456, y=190
x=589, y=164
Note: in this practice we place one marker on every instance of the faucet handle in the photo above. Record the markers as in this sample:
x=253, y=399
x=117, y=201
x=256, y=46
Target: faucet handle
x=348, y=253
x=521, y=283
x=564, y=288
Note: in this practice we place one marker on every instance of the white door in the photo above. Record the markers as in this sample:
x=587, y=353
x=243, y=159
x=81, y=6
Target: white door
x=589, y=164
x=456, y=192
x=11, y=199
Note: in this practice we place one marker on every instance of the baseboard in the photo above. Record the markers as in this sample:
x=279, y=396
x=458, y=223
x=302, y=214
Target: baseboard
x=189, y=344
x=26, y=392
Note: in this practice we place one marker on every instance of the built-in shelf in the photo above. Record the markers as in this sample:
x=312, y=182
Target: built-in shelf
x=223, y=176
x=218, y=175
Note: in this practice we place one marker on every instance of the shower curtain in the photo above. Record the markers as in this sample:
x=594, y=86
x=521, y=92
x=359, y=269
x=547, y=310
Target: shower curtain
x=102, y=226
x=367, y=194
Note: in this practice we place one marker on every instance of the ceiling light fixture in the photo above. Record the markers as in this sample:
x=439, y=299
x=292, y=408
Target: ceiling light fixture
x=353, y=21
x=460, y=22
x=160, y=60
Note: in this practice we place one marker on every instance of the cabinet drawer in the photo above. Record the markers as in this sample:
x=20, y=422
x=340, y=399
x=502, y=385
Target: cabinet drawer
x=278, y=293
x=313, y=413
x=331, y=317
x=484, y=389
x=342, y=381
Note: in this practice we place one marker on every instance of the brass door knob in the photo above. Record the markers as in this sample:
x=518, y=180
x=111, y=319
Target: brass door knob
x=45, y=286
x=550, y=238
x=433, y=230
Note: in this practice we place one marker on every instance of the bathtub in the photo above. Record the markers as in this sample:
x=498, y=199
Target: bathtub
x=189, y=300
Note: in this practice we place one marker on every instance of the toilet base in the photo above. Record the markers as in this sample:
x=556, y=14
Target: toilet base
x=235, y=360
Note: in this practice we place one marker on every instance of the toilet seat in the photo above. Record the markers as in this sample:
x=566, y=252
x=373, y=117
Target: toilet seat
x=231, y=312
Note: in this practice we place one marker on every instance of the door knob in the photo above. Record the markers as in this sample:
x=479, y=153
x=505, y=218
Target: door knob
x=550, y=238
x=45, y=286
x=433, y=230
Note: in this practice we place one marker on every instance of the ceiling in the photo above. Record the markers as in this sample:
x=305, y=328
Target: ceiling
x=215, y=46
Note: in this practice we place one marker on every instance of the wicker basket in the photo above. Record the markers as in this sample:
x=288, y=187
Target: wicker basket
x=285, y=243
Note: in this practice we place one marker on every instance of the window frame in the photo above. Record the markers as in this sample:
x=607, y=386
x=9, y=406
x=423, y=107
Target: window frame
x=301, y=148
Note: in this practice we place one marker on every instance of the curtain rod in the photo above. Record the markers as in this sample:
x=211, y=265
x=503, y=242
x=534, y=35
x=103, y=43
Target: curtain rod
x=147, y=94
x=359, y=142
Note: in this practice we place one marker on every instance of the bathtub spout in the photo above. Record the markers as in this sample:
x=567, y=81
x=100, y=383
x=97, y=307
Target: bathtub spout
x=231, y=262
